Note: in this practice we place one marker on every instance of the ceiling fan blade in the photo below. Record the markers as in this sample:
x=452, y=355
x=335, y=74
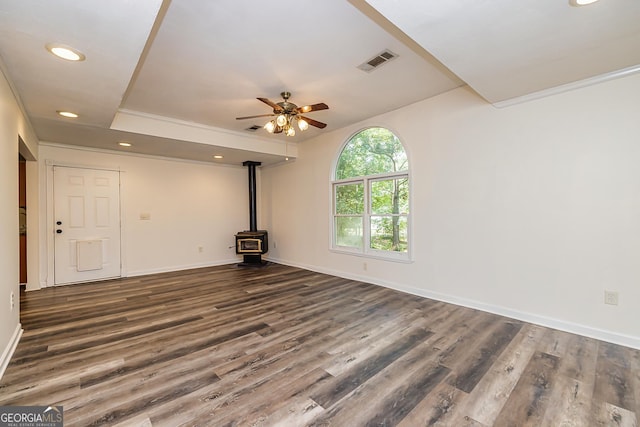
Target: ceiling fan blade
x=314, y=107
x=314, y=122
x=253, y=117
x=271, y=104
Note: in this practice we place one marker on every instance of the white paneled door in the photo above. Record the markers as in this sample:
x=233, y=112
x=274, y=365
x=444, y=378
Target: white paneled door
x=87, y=224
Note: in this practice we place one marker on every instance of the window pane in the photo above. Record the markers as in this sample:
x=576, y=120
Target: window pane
x=349, y=231
x=371, y=195
x=369, y=152
x=389, y=233
x=350, y=199
x=390, y=196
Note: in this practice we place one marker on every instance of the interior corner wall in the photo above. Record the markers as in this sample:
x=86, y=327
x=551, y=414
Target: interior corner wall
x=193, y=208
x=531, y=211
x=12, y=124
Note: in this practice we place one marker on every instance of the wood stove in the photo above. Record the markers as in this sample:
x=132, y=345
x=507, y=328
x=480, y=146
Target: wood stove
x=252, y=243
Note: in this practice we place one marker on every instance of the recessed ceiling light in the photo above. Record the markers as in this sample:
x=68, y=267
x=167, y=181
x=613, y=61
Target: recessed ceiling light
x=68, y=114
x=65, y=52
x=218, y=156
x=124, y=144
x=581, y=2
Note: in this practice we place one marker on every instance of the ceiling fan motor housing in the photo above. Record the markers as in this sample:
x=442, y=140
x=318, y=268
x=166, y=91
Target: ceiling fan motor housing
x=287, y=107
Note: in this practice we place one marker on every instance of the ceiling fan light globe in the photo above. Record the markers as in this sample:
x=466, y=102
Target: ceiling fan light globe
x=270, y=126
x=291, y=131
x=303, y=125
x=281, y=120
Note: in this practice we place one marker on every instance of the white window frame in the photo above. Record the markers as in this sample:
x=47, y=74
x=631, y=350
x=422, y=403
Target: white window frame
x=366, y=249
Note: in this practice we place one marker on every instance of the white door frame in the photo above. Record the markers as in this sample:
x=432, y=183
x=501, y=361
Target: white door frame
x=50, y=217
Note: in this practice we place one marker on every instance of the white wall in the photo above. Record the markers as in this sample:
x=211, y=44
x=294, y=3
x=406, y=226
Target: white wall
x=531, y=211
x=12, y=125
x=190, y=205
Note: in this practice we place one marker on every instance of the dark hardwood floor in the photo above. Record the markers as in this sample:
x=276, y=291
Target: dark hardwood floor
x=288, y=347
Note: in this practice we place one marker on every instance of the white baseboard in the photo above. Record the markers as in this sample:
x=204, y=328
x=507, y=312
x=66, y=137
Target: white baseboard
x=562, y=325
x=181, y=267
x=10, y=349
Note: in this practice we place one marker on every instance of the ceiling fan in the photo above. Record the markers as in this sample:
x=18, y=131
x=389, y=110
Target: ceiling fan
x=286, y=113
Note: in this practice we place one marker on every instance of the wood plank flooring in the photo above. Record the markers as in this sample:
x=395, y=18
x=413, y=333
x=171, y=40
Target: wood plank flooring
x=282, y=346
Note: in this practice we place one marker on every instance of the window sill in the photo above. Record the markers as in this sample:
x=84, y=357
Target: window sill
x=401, y=258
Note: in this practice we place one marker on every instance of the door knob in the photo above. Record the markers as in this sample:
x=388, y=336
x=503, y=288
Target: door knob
x=58, y=222
x=59, y=231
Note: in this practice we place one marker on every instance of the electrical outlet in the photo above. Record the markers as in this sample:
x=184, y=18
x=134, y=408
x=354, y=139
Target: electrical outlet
x=12, y=300
x=611, y=297
x=364, y=266
x=200, y=248
x=275, y=245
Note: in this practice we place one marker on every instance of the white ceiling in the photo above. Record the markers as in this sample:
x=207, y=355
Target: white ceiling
x=506, y=49
x=171, y=76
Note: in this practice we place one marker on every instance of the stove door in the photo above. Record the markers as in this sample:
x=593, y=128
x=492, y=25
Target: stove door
x=246, y=245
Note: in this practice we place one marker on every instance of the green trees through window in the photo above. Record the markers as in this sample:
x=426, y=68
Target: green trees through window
x=371, y=195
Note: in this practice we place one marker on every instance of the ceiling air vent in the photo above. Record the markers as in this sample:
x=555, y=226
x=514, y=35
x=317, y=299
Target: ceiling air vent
x=253, y=128
x=381, y=58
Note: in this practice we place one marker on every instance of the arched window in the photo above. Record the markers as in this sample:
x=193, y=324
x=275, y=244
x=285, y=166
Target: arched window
x=371, y=196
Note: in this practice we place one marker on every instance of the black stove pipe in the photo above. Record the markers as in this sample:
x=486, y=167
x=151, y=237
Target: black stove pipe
x=251, y=166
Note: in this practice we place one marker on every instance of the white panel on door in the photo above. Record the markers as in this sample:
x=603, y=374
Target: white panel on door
x=76, y=212
x=76, y=180
x=101, y=182
x=89, y=253
x=102, y=211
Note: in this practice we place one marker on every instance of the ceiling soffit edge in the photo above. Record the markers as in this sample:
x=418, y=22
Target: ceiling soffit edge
x=167, y=127
x=568, y=87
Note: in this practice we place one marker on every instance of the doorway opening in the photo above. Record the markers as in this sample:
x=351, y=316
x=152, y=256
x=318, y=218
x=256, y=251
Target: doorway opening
x=22, y=209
